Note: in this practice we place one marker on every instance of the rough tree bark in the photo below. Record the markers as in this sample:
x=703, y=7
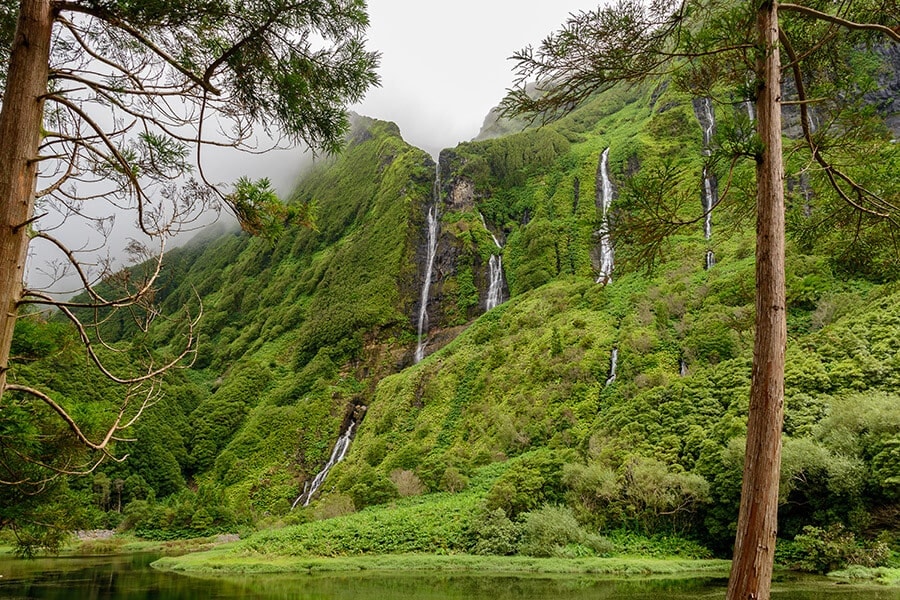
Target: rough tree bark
x=754, y=549
x=21, y=118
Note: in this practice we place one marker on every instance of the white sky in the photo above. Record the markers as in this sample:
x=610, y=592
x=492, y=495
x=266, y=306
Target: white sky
x=444, y=63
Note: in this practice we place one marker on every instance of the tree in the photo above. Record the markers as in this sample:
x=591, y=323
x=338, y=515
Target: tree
x=710, y=46
x=116, y=102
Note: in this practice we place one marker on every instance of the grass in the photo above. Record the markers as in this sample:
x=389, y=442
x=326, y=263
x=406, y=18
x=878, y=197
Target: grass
x=127, y=544
x=882, y=575
x=227, y=560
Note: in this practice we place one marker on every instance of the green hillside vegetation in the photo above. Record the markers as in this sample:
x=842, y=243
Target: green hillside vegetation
x=508, y=439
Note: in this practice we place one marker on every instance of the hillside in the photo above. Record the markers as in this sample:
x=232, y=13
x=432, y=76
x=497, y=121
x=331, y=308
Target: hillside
x=559, y=374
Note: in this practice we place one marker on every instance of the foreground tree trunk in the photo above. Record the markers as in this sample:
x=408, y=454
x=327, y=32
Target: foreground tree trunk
x=754, y=547
x=21, y=118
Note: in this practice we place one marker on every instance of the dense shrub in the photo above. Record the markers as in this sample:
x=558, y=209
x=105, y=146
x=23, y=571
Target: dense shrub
x=823, y=550
x=495, y=533
x=549, y=530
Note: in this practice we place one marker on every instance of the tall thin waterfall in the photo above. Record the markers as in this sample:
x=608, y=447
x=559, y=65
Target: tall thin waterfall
x=495, y=289
x=433, y=231
x=337, y=455
x=613, y=365
x=751, y=110
x=705, y=114
x=709, y=201
x=604, y=197
x=495, y=273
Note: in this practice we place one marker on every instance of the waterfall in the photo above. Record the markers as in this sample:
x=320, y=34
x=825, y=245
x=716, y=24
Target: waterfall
x=751, y=111
x=493, y=237
x=495, y=289
x=708, y=120
x=703, y=108
x=337, y=455
x=495, y=273
x=604, y=197
x=613, y=364
x=709, y=200
x=683, y=368
x=433, y=230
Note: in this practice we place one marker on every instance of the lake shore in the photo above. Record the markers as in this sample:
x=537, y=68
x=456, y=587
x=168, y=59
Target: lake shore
x=228, y=560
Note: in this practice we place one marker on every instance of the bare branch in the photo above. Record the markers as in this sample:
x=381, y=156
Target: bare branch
x=59, y=410
x=822, y=16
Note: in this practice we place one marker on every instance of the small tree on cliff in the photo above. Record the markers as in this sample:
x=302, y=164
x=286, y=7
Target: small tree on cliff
x=113, y=102
x=709, y=44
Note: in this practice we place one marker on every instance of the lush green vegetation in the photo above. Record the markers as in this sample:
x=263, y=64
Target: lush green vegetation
x=508, y=440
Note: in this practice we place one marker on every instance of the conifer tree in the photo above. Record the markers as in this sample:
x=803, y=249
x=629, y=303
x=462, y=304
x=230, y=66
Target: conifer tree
x=709, y=46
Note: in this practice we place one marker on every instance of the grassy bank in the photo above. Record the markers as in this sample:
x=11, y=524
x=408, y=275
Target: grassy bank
x=125, y=544
x=882, y=575
x=227, y=560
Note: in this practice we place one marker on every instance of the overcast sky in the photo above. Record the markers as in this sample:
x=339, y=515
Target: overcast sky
x=444, y=63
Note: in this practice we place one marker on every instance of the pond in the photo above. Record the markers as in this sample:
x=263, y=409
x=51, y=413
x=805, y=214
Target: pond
x=131, y=578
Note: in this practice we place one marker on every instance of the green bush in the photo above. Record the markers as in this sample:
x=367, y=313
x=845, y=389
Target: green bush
x=824, y=550
x=496, y=534
x=551, y=529
x=533, y=480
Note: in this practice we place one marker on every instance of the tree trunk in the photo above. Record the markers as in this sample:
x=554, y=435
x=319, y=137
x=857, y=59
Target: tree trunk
x=754, y=547
x=21, y=117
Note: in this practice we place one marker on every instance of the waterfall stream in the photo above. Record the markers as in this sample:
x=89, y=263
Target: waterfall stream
x=704, y=110
x=613, y=365
x=495, y=273
x=495, y=289
x=337, y=455
x=433, y=231
x=604, y=197
x=751, y=111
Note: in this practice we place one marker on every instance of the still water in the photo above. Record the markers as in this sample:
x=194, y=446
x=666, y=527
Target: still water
x=131, y=578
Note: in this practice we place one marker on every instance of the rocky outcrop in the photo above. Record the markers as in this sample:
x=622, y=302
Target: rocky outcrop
x=462, y=195
x=887, y=97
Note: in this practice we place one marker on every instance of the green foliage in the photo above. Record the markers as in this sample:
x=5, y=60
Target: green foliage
x=496, y=534
x=440, y=525
x=824, y=550
x=261, y=213
x=366, y=487
x=554, y=531
x=531, y=481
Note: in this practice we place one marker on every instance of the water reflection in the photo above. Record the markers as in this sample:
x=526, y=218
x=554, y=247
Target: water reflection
x=131, y=578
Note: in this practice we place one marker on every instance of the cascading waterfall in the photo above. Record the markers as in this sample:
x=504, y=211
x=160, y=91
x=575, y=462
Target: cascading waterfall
x=705, y=114
x=709, y=200
x=751, y=111
x=433, y=230
x=604, y=197
x=613, y=365
x=495, y=273
x=337, y=455
x=683, y=368
x=495, y=289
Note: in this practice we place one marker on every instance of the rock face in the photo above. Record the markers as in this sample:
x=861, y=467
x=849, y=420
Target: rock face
x=461, y=280
x=462, y=195
x=887, y=98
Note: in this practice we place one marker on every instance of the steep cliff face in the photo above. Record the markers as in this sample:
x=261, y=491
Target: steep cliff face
x=887, y=97
x=461, y=276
